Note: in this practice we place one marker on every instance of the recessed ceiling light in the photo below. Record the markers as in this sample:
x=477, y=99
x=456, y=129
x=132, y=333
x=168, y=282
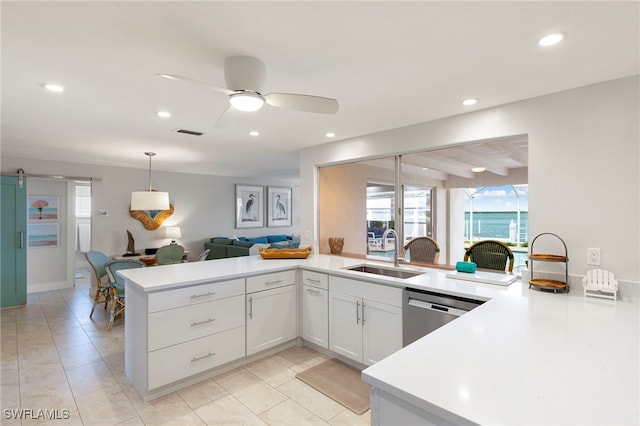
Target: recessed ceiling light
x=330, y=135
x=478, y=169
x=163, y=114
x=551, y=39
x=470, y=101
x=54, y=88
x=254, y=133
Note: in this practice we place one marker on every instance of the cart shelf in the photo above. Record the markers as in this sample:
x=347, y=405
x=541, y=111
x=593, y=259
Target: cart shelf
x=544, y=283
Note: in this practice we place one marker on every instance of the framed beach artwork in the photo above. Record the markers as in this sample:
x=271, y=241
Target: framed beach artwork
x=279, y=206
x=249, y=206
x=41, y=209
x=42, y=235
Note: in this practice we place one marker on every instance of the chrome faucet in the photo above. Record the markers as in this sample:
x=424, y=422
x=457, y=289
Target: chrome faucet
x=396, y=252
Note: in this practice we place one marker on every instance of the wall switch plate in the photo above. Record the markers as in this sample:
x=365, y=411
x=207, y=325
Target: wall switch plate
x=593, y=256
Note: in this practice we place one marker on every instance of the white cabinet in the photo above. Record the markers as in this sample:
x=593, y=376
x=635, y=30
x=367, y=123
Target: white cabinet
x=365, y=319
x=315, y=308
x=271, y=312
x=175, y=334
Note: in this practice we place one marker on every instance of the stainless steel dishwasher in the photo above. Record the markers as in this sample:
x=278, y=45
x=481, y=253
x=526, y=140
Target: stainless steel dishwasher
x=424, y=311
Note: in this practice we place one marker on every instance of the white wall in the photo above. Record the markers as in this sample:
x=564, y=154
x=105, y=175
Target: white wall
x=584, y=180
x=47, y=267
x=204, y=204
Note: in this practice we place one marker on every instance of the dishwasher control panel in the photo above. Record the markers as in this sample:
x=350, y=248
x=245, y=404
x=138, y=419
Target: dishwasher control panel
x=428, y=305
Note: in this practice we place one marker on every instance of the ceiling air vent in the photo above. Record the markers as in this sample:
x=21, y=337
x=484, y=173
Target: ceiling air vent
x=189, y=132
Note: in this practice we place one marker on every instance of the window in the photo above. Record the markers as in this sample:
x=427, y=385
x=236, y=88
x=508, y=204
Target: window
x=417, y=213
x=83, y=200
x=381, y=216
x=498, y=213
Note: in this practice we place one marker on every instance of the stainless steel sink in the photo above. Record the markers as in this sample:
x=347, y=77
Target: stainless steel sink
x=387, y=272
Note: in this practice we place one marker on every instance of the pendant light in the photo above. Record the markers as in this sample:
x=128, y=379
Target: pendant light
x=149, y=200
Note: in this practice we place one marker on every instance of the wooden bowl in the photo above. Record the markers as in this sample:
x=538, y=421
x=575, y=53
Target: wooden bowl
x=276, y=253
x=148, y=261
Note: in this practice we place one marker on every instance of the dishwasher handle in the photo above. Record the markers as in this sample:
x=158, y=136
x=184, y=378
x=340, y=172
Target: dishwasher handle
x=430, y=306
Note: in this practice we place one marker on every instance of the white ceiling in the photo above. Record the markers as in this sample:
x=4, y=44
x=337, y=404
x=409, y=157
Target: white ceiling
x=389, y=64
x=497, y=156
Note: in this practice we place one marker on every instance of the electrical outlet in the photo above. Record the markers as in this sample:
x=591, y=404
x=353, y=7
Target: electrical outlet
x=593, y=256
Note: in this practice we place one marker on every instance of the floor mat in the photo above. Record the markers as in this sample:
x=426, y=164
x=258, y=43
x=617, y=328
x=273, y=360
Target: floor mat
x=339, y=382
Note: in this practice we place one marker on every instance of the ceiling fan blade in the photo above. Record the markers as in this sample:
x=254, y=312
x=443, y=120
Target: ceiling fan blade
x=228, y=118
x=305, y=103
x=196, y=82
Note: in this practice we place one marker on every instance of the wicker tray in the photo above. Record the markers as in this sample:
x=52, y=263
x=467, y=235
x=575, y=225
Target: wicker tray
x=276, y=253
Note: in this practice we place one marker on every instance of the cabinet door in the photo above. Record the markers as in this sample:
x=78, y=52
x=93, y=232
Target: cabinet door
x=381, y=331
x=271, y=318
x=345, y=325
x=315, y=316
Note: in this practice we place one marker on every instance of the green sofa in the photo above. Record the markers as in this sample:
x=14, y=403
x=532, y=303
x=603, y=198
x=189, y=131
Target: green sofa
x=223, y=247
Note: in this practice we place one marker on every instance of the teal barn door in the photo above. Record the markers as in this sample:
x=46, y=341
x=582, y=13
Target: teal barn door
x=13, y=232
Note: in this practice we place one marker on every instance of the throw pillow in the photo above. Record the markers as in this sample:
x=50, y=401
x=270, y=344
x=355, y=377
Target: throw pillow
x=260, y=240
x=246, y=244
x=225, y=241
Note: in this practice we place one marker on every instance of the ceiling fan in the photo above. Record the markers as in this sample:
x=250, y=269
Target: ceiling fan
x=245, y=77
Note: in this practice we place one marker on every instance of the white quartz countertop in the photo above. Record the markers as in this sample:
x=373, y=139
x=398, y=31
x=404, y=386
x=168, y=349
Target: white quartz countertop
x=524, y=357
x=533, y=359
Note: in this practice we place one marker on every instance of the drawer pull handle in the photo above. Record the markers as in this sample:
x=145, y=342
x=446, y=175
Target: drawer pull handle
x=198, y=358
x=210, y=293
x=193, y=324
x=273, y=282
x=251, y=308
x=313, y=280
x=313, y=291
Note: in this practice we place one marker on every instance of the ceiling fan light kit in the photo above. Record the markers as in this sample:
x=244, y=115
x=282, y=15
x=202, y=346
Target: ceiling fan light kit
x=246, y=101
x=245, y=78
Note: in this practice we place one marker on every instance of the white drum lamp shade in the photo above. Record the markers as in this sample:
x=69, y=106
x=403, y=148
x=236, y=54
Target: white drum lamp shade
x=149, y=200
x=172, y=232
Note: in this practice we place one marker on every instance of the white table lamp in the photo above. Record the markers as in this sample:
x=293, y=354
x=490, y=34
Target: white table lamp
x=172, y=232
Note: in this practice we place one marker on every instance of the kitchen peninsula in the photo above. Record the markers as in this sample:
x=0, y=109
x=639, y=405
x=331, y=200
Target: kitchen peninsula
x=523, y=357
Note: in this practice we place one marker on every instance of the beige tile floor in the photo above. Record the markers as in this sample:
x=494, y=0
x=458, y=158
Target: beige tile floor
x=53, y=357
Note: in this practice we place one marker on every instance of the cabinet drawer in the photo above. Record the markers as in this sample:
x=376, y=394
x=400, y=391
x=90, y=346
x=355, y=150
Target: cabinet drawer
x=170, y=299
x=267, y=281
x=179, y=325
x=178, y=362
x=371, y=291
x=315, y=279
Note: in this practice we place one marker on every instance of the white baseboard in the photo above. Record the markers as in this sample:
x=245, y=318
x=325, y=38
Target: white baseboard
x=37, y=288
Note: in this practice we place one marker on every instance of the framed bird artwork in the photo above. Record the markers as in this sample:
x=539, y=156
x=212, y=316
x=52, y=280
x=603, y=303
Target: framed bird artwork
x=249, y=206
x=278, y=206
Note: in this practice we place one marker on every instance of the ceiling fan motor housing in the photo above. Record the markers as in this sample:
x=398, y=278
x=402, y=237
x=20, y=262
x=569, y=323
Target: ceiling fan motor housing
x=245, y=73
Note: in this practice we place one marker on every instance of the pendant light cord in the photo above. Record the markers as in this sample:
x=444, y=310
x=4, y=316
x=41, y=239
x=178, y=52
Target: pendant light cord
x=150, y=154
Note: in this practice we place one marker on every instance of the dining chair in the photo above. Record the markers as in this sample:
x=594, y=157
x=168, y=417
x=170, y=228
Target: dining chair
x=203, y=255
x=117, y=285
x=169, y=254
x=97, y=260
x=490, y=254
x=422, y=249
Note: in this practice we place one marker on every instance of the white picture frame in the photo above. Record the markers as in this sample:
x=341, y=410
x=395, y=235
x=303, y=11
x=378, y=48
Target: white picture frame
x=249, y=206
x=278, y=206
